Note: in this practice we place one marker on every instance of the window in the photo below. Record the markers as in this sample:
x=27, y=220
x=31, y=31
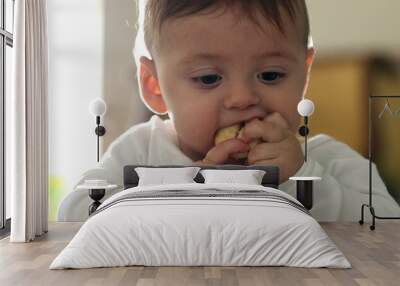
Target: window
x=6, y=44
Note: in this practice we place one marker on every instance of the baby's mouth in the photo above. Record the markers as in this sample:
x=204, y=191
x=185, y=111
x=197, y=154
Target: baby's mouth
x=234, y=131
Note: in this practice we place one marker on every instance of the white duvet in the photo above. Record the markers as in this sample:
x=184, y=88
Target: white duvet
x=183, y=231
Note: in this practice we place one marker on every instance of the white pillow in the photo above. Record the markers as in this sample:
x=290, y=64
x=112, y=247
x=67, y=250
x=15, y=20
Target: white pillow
x=162, y=176
x=248, y=177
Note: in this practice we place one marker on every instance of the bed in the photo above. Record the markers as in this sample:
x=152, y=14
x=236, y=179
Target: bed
x=201, y=223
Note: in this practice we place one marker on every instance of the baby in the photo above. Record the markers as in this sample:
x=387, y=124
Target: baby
x=242, y=65
x=229, y=62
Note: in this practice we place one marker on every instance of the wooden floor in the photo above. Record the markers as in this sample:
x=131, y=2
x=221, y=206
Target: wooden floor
x=374, y=255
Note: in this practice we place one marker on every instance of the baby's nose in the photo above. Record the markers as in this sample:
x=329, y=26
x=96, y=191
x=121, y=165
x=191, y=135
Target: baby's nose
x=241, y=96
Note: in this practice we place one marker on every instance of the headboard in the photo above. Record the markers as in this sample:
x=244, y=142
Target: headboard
x=270, y=179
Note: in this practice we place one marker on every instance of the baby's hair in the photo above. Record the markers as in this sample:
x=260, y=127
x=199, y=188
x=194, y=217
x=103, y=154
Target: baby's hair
x=153, y=13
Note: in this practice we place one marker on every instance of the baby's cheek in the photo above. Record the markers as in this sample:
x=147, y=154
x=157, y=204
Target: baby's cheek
x=197, y=132
x=197, y=119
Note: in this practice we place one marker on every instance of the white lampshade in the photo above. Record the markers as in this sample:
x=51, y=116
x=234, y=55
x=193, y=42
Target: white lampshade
x=305, y=107
x=97, y=107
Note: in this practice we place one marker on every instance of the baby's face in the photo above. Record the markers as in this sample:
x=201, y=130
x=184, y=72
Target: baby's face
x=215, y=70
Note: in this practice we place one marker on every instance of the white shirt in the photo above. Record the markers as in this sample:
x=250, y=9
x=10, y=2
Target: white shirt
x=337, y=197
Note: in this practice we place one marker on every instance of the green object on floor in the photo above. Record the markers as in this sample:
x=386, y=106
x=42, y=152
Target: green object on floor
x=56, y=194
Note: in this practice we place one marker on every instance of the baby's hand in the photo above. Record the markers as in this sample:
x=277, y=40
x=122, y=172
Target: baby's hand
x=279, y=145
x=221, y=153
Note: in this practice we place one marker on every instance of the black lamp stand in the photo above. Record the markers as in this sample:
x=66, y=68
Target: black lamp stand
x=303, y=131
x=304, y=186
x=100, y=131
x=304, y=193
x=96, y=195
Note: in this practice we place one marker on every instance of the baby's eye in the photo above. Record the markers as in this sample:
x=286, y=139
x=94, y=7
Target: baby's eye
x=208, y=80
x=270, y=77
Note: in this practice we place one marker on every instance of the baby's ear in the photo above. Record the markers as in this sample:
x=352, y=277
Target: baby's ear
x=150, y=87
x=310, y=57
x=309, y=61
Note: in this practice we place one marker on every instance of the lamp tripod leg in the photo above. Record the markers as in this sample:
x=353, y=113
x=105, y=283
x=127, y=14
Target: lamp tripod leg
x=98, y=146
x=305, y=138
x=98, y=135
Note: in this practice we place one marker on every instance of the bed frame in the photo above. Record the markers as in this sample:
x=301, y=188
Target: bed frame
x=270, y=179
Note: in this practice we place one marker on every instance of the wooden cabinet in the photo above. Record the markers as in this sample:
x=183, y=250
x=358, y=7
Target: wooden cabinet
x=339, y=87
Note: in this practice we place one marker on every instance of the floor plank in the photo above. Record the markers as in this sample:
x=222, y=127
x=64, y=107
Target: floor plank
x=374, y=255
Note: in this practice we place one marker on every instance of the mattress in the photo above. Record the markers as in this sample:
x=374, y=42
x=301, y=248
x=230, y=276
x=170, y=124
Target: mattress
x=201, y=225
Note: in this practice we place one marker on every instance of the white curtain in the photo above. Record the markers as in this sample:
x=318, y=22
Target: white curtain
x=27, y=121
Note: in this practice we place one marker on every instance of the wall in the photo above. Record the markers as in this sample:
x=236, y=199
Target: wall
x=76, y=47
x=348, y=36
x=90, y=45
x=343, y=26
x=125, y=107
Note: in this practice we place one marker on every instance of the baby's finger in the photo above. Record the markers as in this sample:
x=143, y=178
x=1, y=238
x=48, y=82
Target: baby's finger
x=267, y=131
x=221, y=152
x=277, y=118
x=263, y=151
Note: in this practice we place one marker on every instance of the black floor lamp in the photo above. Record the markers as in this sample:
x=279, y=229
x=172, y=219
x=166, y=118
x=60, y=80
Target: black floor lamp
x=97, y=188
x=305, y=108
x=304, y=185
x=98, y=108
